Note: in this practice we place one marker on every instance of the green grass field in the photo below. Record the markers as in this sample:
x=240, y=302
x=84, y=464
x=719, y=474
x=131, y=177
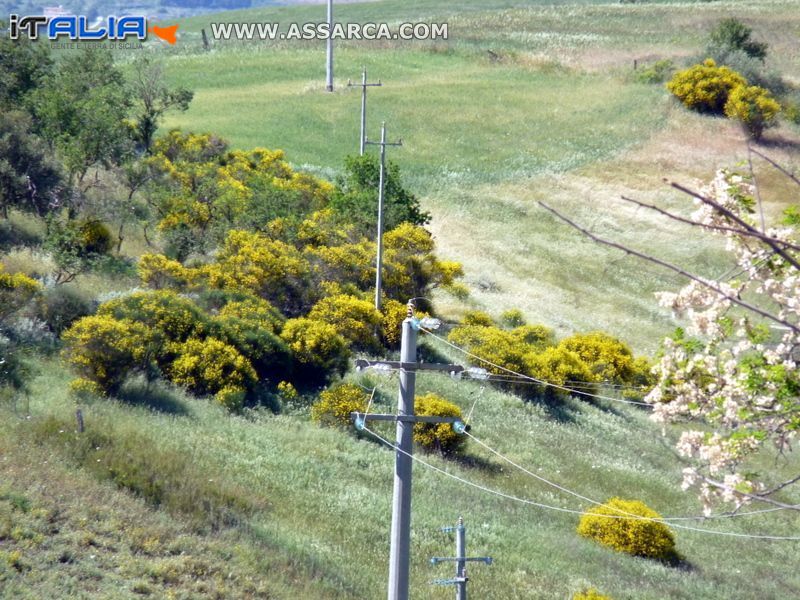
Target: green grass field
x=323, y=504
x=167, y=496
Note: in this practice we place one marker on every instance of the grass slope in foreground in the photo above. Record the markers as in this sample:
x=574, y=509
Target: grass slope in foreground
x=320, y=503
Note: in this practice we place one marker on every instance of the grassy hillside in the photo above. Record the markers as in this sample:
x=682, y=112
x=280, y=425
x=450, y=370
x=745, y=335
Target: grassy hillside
x=319, y=504
x=526, y=101
x=168, y=496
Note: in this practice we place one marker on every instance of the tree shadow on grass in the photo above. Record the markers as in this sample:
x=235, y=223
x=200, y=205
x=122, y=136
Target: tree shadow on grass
x=11, y=235
x=155, y=396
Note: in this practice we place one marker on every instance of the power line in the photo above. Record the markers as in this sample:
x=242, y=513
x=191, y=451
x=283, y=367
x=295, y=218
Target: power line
x=569, y=510
x=595, y=502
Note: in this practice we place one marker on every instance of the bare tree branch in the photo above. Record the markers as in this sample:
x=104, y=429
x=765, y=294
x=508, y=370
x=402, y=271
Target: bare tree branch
x=756, y=234
x=761, y=497
x=755, y=187
x=777, y=166
x=675, y=269
x=769, y=241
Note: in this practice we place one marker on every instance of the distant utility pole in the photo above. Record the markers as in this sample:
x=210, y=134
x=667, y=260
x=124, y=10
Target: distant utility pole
x=461, y=559
x=405, y=419
x=329, y=42
x=364, y=85
x=381, y=185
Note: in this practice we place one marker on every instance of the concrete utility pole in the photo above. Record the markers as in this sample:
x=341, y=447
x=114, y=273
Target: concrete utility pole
x=461, y=560
x=405, y=418
x=364, y=85
x=329, y=41
x=381, y=186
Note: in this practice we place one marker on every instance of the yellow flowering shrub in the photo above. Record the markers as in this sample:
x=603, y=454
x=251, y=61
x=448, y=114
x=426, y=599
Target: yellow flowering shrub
x=608, y=358
x=477, y=318
x=639, y=537
x=336, y=403
x=255, y=311
x=353, y=318
x=253, y=263
x=159, y=272
x=318, y=349
x=209, y=366
x=393, y=314
x=557, y=365
x=95, y=238
x=176, y=318
x=16, y=291
x=705, y=87
x=754, y=107
x=105, y=350
x=437, y=436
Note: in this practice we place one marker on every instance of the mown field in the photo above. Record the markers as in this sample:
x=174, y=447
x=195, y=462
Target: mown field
x=168, y=496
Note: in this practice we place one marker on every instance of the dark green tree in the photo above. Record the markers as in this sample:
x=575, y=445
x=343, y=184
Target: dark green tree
x=152, y=98
x=731, y=35
x=355, y=199
x=81, y=112
x=23, y=67
x=29, y=177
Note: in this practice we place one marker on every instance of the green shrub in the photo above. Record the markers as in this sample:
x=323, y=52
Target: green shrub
x=265, y=350
x=732, y=35
x=477, y=318
x=317, y=348
x=336, y=403
x=16, y=291
x=512, y=317
x=437, y=436
x=754, y=107
x=354, y=319
x=639, y=537
x=705, y=87
x=61, y=306
x=658, y=72
x=95, y=237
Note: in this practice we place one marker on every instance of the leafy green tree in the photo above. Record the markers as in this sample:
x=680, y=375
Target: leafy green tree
x=23, y=67
x=152, y=98
x=356, y=197
x=731, y=35
x=76, y=246
x=81, y=112
x=29, y=177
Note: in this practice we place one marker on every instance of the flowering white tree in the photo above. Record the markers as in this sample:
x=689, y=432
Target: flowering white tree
x=733, y=372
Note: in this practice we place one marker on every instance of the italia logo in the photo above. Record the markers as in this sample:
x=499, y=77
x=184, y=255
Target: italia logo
x=79, y=28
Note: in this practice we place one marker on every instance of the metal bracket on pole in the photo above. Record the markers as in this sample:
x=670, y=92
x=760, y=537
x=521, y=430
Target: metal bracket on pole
x=461, y=560
x=364, y=85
